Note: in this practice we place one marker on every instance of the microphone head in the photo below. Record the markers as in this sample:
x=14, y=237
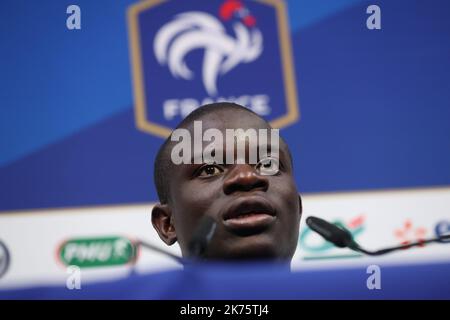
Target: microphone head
x=338, y=236
x=202, y=236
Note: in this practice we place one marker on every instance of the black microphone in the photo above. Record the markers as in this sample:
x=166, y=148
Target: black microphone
x=197, y=246
x=202, y=237
x=342, y=238
x=159, y=250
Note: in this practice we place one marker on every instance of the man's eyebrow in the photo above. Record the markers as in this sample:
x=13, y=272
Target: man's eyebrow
x=268, y=147
x=282, y=150
x=218, y=149
x=284, y=154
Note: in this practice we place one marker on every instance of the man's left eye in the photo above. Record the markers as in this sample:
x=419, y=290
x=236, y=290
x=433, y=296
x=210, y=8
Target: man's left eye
x=209, y=170
x=268, y=166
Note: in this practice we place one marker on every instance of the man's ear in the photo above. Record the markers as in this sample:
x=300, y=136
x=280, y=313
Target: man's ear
x=163, y=223
x=300, y=206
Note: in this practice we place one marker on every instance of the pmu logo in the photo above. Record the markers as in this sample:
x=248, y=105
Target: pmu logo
x=188, y=53
x=97, y=252
x=315, y=247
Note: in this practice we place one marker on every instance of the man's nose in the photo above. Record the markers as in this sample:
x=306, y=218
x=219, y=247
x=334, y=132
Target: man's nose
x=244, y=177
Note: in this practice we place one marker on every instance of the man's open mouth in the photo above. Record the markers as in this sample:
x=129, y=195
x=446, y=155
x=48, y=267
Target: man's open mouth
x=249, y=214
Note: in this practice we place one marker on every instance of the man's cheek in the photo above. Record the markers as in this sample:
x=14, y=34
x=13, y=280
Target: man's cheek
x=291, y=203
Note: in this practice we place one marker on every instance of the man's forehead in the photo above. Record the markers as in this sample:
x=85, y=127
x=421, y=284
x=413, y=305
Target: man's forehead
x=232, y=129
x=233, y=121
x=229, y=119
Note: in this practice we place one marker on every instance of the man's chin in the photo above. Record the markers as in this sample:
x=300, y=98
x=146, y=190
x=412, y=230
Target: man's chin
x=257, y=247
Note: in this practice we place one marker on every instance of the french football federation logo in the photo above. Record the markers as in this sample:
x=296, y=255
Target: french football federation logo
x=187, y=53
x=222, y=52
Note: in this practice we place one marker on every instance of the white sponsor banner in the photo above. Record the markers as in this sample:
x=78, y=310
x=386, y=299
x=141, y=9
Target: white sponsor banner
x=377, y=219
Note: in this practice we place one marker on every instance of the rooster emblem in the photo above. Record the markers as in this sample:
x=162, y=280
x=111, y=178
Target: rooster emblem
x=199, y=30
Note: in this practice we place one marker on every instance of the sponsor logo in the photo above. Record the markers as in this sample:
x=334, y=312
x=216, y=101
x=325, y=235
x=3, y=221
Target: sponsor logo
x=5, y=259
x=188, y=53
x=315, y=247
x=408, y=233
x=442, y=228
x=97, y=252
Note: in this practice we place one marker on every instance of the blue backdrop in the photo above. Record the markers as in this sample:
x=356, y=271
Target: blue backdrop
x=374, y=104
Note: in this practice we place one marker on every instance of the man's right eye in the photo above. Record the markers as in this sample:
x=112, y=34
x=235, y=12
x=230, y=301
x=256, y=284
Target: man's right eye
x=209, y=170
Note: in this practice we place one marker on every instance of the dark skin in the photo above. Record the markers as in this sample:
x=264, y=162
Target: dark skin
x=217, y=190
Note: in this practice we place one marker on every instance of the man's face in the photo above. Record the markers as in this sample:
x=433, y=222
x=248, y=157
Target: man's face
x=257, y=215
